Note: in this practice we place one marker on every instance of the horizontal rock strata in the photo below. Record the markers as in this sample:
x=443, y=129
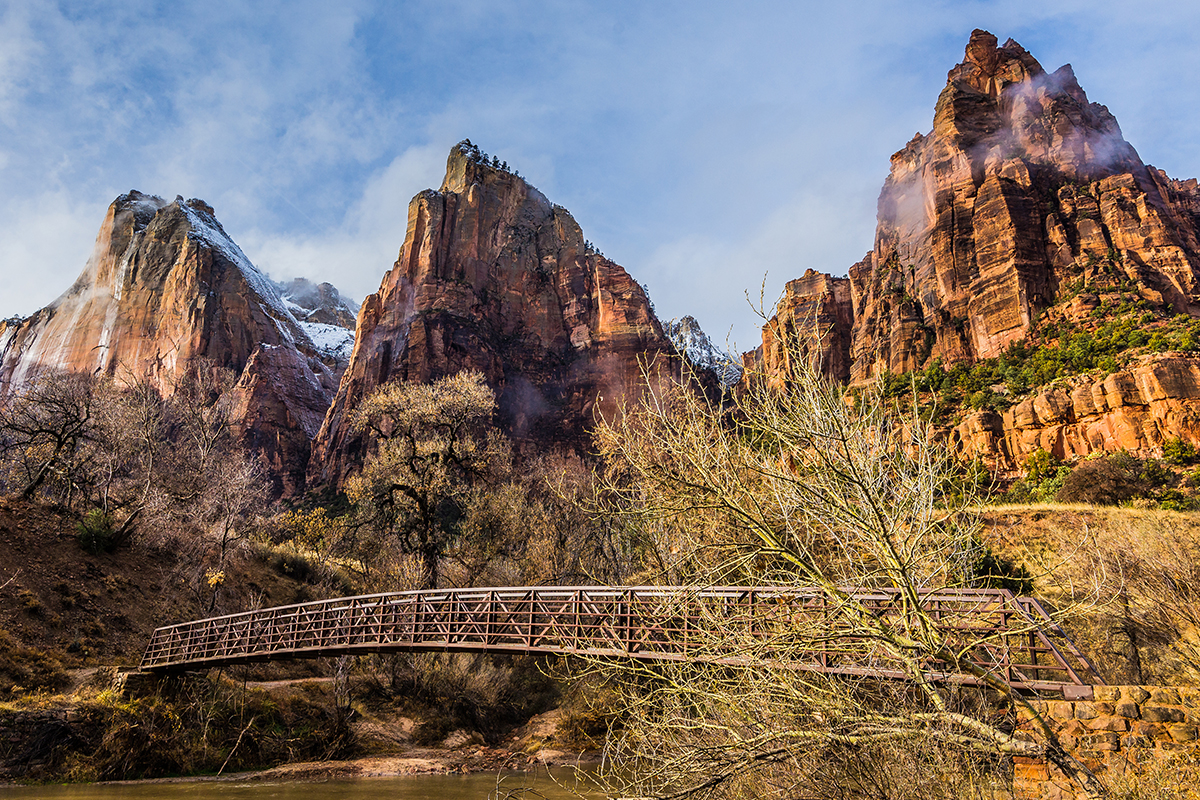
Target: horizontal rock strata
x=1023, y=192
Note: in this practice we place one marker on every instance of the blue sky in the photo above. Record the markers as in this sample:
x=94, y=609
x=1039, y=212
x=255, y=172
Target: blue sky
x=701, y=145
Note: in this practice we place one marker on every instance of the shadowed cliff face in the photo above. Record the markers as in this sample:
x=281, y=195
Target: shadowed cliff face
x=164, y=286
x=495, y=278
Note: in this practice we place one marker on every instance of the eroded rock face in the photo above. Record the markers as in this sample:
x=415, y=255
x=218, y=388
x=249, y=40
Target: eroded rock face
x=1021, y=186
x=276, y=408
x=165, y=285
x=814, y=321
x=1023, y=192
x=1136, y=409
x=494, y=277
x=1019, y=192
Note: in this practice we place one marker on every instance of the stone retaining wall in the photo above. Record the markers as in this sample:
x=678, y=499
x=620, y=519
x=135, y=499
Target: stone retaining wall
x=29, y=740
x=1121, y=728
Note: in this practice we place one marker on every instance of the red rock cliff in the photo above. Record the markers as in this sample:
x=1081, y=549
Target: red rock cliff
x=165, y=285
x=1022, y=188
x=494, y=277
x=1023, y=192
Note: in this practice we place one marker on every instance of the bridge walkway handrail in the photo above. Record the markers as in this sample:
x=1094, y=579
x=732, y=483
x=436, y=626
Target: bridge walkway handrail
x=1014, y=637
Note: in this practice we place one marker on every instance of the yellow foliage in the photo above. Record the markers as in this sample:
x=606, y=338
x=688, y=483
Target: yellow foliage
x=313, y=530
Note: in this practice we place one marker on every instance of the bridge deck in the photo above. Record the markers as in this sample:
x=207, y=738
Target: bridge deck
x=1011, y=636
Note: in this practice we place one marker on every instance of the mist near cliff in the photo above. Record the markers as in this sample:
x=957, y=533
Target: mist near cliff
x=702, y=146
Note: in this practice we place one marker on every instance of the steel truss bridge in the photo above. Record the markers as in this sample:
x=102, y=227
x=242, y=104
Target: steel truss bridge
x=1012, y=637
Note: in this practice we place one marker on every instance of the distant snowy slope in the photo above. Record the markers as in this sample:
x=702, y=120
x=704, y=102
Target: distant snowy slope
x=323, y=303
x=693, y=343
x=331, y=341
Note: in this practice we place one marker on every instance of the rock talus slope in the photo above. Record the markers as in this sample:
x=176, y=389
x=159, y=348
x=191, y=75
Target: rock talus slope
x=494, y=277
x=165, y=285
x=1023, y=191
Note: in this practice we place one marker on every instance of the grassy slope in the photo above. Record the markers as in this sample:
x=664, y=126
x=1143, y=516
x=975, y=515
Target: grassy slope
x=86, y=610
x=1124, y=575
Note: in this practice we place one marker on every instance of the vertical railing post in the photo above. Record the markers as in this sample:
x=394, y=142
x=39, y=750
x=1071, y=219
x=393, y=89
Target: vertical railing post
x=628, y=593
x=1008, y=659
x=825, y=626
x=687, y=618
x=529, y=619
x=491, y=619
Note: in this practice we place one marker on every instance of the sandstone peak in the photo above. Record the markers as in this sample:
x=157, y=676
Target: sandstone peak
x=1023, y=195
x=467, y=164
x=166, y=285
x=989, y=69
x=493, y=277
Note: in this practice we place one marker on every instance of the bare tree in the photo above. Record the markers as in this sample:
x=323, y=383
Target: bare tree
x=802, y=488
x=43, y=429
x=437, y=451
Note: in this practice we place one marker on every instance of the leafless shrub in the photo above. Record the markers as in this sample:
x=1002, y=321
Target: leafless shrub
x=803, y=489
x=1148, y=563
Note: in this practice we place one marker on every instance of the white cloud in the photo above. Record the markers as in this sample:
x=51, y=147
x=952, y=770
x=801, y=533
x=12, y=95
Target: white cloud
x=353, y=255
x=723, y=278
x=700, y=145
x=45, y=241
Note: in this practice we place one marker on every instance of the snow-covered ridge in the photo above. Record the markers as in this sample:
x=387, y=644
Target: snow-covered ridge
x=693, y=343
x=312, y=302
x=206, y=229
x=332, y=341
x=292, y=319
x=142, y=206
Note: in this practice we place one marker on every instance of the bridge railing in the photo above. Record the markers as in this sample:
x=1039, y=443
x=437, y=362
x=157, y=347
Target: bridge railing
x=1012, y=637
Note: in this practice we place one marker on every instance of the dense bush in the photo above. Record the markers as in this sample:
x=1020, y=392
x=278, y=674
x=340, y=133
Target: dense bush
x=1049, y=352
x=1109, y=480
x=206, y=725
x=1044, y=477
x=994, y=571
x=1178, y=452
x=476, y=692
x=96, y=532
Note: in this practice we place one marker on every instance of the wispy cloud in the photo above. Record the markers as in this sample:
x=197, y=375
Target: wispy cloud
x=699, y=144
x=354, y=254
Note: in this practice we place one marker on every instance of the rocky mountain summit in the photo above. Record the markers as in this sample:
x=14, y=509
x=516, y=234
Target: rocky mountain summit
x=694, y=345
x=491, y=276
x=494, y=277
x=1024, y=206
x=1029, y=272
x=165, y=286
x=326, y=316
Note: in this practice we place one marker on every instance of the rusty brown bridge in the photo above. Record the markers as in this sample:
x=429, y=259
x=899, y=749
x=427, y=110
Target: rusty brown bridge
x=1012, y=637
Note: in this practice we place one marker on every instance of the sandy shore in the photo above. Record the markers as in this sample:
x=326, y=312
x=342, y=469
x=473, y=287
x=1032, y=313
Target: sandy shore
x=420, y=761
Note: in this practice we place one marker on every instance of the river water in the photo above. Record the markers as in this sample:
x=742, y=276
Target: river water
x=412, y=787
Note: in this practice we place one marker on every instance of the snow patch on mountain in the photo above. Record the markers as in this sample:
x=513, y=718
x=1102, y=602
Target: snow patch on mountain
x=311, y=302
x=694, y=345
x=332, y=341
x=207, y=230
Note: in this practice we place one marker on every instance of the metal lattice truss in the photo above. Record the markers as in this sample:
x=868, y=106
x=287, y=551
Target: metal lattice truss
x=1011, y=637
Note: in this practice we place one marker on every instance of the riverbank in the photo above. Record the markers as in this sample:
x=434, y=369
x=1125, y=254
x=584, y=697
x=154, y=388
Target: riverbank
x=422, y=761
x=214, y=728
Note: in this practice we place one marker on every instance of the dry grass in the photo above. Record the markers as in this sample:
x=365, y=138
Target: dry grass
x=1140, y=568
x=1175, y=778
